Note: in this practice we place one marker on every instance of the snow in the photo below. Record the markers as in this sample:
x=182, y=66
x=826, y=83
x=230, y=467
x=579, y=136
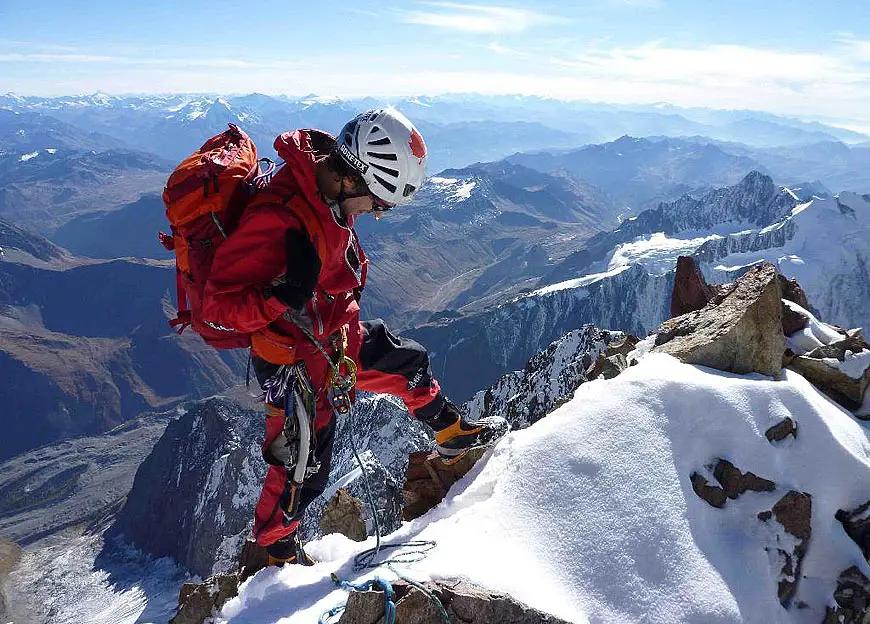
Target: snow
x=657, y=254
x=590, y=514
x=51, y=150
x=815, y=334
x=67, y=577
x=853, y=365
x=577, y=282
x=26, y=157
x=454, y=189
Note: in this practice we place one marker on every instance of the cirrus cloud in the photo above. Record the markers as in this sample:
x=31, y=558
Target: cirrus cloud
x=478, y=19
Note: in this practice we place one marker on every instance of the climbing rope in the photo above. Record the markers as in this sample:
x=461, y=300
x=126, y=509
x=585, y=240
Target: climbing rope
x=377, y=584
x=340, y=387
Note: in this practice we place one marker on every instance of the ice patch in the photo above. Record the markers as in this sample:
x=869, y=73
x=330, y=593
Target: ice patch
x=27, y=157
x=577, y=282
x=657, y=254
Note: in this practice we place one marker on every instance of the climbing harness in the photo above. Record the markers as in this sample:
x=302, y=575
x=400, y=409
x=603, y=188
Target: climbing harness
x=340, y=383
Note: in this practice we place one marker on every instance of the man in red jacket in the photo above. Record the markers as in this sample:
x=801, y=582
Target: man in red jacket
x=291, y=275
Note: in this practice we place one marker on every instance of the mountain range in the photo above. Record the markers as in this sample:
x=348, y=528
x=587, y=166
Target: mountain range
x=85, y=346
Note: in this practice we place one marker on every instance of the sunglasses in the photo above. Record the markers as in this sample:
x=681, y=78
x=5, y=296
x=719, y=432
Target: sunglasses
x=379, y=205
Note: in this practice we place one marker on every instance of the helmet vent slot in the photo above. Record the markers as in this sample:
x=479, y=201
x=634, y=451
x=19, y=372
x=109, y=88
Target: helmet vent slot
x=383, y=156
x=383, y=141
x=387, y=170
x=387, y=185
x=409, y=190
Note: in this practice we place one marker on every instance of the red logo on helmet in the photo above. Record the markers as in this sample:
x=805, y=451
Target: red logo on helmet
x=418, y=147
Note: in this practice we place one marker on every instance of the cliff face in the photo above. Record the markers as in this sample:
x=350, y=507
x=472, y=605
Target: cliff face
x=472, y=352
x=193, y=497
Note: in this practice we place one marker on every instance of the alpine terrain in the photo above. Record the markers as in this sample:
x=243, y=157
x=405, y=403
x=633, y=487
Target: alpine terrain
x=669, y=306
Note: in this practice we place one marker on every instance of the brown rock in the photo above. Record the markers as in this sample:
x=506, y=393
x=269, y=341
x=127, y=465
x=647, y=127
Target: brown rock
x=794, y=513
x=845, y=390
x=343, y=514
x=739, y=331
x=252, y=559
x=363, y=608
x=198, y=602
x=607, y=367
x=734, y=483
x=624, y=346
x=691, y=291
x=714, y=495
x=461, y=600
x=852, y=596
x=857, y=525
x=792, y=291
x=428, y=479
x=781, y=430
x=792, y=321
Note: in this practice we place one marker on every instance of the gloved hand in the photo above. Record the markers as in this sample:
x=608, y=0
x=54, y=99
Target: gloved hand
x=303, y=271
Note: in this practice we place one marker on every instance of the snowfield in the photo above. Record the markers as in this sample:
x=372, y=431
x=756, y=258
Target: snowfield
x=590, y=513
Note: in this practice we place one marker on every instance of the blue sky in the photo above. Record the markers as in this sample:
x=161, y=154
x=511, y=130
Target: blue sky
x=810, y=59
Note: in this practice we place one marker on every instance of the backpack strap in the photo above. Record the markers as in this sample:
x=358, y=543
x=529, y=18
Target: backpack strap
x=312, y=224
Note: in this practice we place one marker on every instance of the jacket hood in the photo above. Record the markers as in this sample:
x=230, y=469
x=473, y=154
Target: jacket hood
x=301, y=149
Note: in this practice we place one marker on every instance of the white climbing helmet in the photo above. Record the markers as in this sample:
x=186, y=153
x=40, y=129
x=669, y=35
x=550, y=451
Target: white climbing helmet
x=389, y=153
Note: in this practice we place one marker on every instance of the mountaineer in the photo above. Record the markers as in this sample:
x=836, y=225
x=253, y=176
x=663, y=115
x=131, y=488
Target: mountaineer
x=290, y=275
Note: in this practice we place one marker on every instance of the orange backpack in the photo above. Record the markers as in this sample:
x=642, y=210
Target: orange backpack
x=205, y=196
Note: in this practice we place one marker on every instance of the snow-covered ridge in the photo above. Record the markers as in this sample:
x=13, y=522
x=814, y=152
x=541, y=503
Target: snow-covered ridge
x=590, y=514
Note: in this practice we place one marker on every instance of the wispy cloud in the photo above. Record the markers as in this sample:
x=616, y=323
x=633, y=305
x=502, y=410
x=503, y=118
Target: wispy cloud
x=101, y=59
x=480, y=19
x=497, y=48
x=646, y=4
x=714, y=65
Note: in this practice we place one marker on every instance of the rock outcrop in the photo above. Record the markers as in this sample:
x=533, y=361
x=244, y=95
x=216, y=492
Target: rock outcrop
x=738, y=331
x=856, y=523
x=732, y=483
x=193, y=496
x=793, y=512
x=852, y=596
x=344, y=514
x=691, y=290
x=781, y=430
x=840, y=369
x=461, y=601
x=428, y=479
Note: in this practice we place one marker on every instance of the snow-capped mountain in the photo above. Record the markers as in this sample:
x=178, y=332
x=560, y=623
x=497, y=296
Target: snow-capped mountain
x=473, y=236
x=754, y=201
x=476, y=350
x=621, y=280
x=549, y=379
x=823, y=243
